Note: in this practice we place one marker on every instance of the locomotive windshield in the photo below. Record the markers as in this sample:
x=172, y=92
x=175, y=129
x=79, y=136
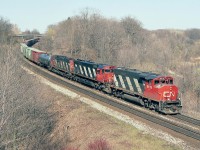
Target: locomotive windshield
x=104, y=71
x=163, y=81
x=108, y=70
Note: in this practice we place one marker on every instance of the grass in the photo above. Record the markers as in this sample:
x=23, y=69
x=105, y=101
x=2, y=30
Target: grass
x=131, y=138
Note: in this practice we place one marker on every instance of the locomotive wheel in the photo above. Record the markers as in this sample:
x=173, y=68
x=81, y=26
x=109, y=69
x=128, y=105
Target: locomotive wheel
x=156, y=107
x=96, y=87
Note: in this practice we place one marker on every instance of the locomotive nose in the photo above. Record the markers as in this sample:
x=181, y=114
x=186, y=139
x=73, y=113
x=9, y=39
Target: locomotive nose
x=168, y=95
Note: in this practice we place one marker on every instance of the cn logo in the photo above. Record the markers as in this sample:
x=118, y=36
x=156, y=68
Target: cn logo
x=168, y=94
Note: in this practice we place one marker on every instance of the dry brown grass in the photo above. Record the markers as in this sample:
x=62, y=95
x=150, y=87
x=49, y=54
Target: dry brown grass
x=78, y=125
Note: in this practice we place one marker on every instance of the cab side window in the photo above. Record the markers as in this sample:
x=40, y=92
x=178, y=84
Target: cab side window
x=170, y=81
x=156, y=82
x=107, y=70
x=149, y=82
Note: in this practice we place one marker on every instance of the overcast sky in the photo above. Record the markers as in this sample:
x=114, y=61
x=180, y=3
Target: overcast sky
x=154, y=14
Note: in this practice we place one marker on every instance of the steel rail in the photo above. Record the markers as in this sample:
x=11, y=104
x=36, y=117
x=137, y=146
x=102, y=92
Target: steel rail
x=187, y=119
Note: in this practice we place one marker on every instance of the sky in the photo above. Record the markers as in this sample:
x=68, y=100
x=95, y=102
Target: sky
x=153, y=14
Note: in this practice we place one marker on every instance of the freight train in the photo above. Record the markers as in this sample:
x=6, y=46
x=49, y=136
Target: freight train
x=151, y=90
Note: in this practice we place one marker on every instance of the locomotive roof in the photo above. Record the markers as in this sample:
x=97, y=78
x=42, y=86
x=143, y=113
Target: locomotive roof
x=61, y=57
x=86, y=61
x=101, y=66
x=145, y=75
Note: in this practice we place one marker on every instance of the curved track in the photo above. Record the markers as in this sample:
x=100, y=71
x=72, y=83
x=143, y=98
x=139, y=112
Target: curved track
x=109, y=100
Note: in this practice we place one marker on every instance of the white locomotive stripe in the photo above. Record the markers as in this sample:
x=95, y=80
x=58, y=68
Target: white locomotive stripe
x=60, y=64
x=75, y=69
x=85, y=71
x=137, y=85
x=90, y=72
x=129, y=83
x=122, y=81
x=67, y=66
x=115, y=81
x=94, y=72
x=64, y=67
x=81, y=69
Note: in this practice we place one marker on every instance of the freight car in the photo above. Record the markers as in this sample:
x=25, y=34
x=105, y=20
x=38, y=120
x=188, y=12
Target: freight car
x=35, y=53
x=27, y=53
x=31, y=53
x=23, y=47
x=44, y=60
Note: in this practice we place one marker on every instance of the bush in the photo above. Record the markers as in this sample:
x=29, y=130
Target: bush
x=99, y=144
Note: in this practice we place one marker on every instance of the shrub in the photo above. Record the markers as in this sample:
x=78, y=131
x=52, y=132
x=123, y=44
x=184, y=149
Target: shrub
x=99, y=144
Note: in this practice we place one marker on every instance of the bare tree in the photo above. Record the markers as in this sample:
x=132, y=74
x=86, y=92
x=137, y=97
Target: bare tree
x=5, y=30
x=24, y=118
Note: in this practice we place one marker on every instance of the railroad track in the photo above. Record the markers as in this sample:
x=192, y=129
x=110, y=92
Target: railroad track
x=109, y=100
x=187, y=119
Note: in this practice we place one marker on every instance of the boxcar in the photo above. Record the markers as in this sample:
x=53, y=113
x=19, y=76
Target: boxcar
x=35, y=55
x=28, y=53
x=23, y=48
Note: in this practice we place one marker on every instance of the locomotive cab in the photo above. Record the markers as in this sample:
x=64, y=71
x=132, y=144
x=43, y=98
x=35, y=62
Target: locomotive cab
x=104, y=74
x=165, y=87
x=164, y=94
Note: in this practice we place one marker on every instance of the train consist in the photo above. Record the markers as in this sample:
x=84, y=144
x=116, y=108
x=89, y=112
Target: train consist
x=154, y=91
